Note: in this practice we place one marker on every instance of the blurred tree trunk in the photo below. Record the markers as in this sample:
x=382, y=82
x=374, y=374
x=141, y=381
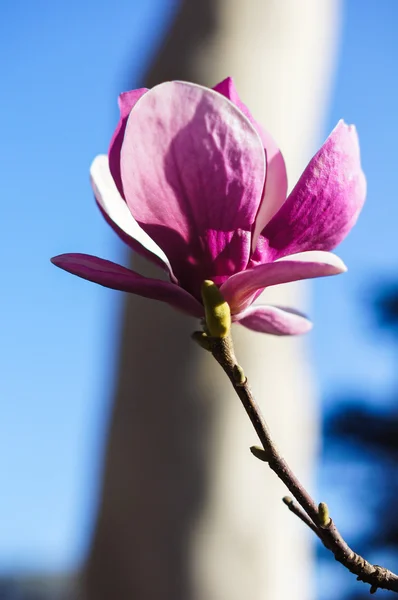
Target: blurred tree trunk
x=186, y=512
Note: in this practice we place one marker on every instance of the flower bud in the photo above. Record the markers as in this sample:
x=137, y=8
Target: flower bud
x=201, y=339
x=323, y=514
x=217, y=311
x=259, y=453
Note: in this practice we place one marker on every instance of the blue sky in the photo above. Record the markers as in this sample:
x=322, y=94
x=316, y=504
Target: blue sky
x=347, y=354
x=62, y=67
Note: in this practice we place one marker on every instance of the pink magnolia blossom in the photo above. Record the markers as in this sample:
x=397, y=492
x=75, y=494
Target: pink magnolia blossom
x=194, y=184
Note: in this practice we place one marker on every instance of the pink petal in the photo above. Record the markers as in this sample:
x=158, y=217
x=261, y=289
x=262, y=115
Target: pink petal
x=193, y=172
x=326, y=201
x=275, y=320
x=126, y=102
x=275, y=187
x=117, y=214
x=241, y=289
x=227, y=88
x=276, y=178
x=116, y=277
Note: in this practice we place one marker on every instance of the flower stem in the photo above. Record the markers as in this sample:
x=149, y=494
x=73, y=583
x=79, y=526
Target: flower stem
x=307, y=510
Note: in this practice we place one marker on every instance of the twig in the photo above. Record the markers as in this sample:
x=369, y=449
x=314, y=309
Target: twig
x=376, y=576
x=298, y=511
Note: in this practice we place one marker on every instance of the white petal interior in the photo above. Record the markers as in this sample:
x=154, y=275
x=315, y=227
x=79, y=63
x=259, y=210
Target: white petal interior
x=317, y=256
x=115, y=207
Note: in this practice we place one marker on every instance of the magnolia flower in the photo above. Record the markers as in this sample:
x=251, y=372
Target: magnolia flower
x=193, y=183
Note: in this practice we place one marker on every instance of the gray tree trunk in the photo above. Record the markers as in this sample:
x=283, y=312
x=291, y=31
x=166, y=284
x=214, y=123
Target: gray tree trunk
x=186, y=512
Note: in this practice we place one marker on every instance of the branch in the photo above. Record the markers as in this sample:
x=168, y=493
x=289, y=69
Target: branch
x=298, y=511
x=316, y=517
